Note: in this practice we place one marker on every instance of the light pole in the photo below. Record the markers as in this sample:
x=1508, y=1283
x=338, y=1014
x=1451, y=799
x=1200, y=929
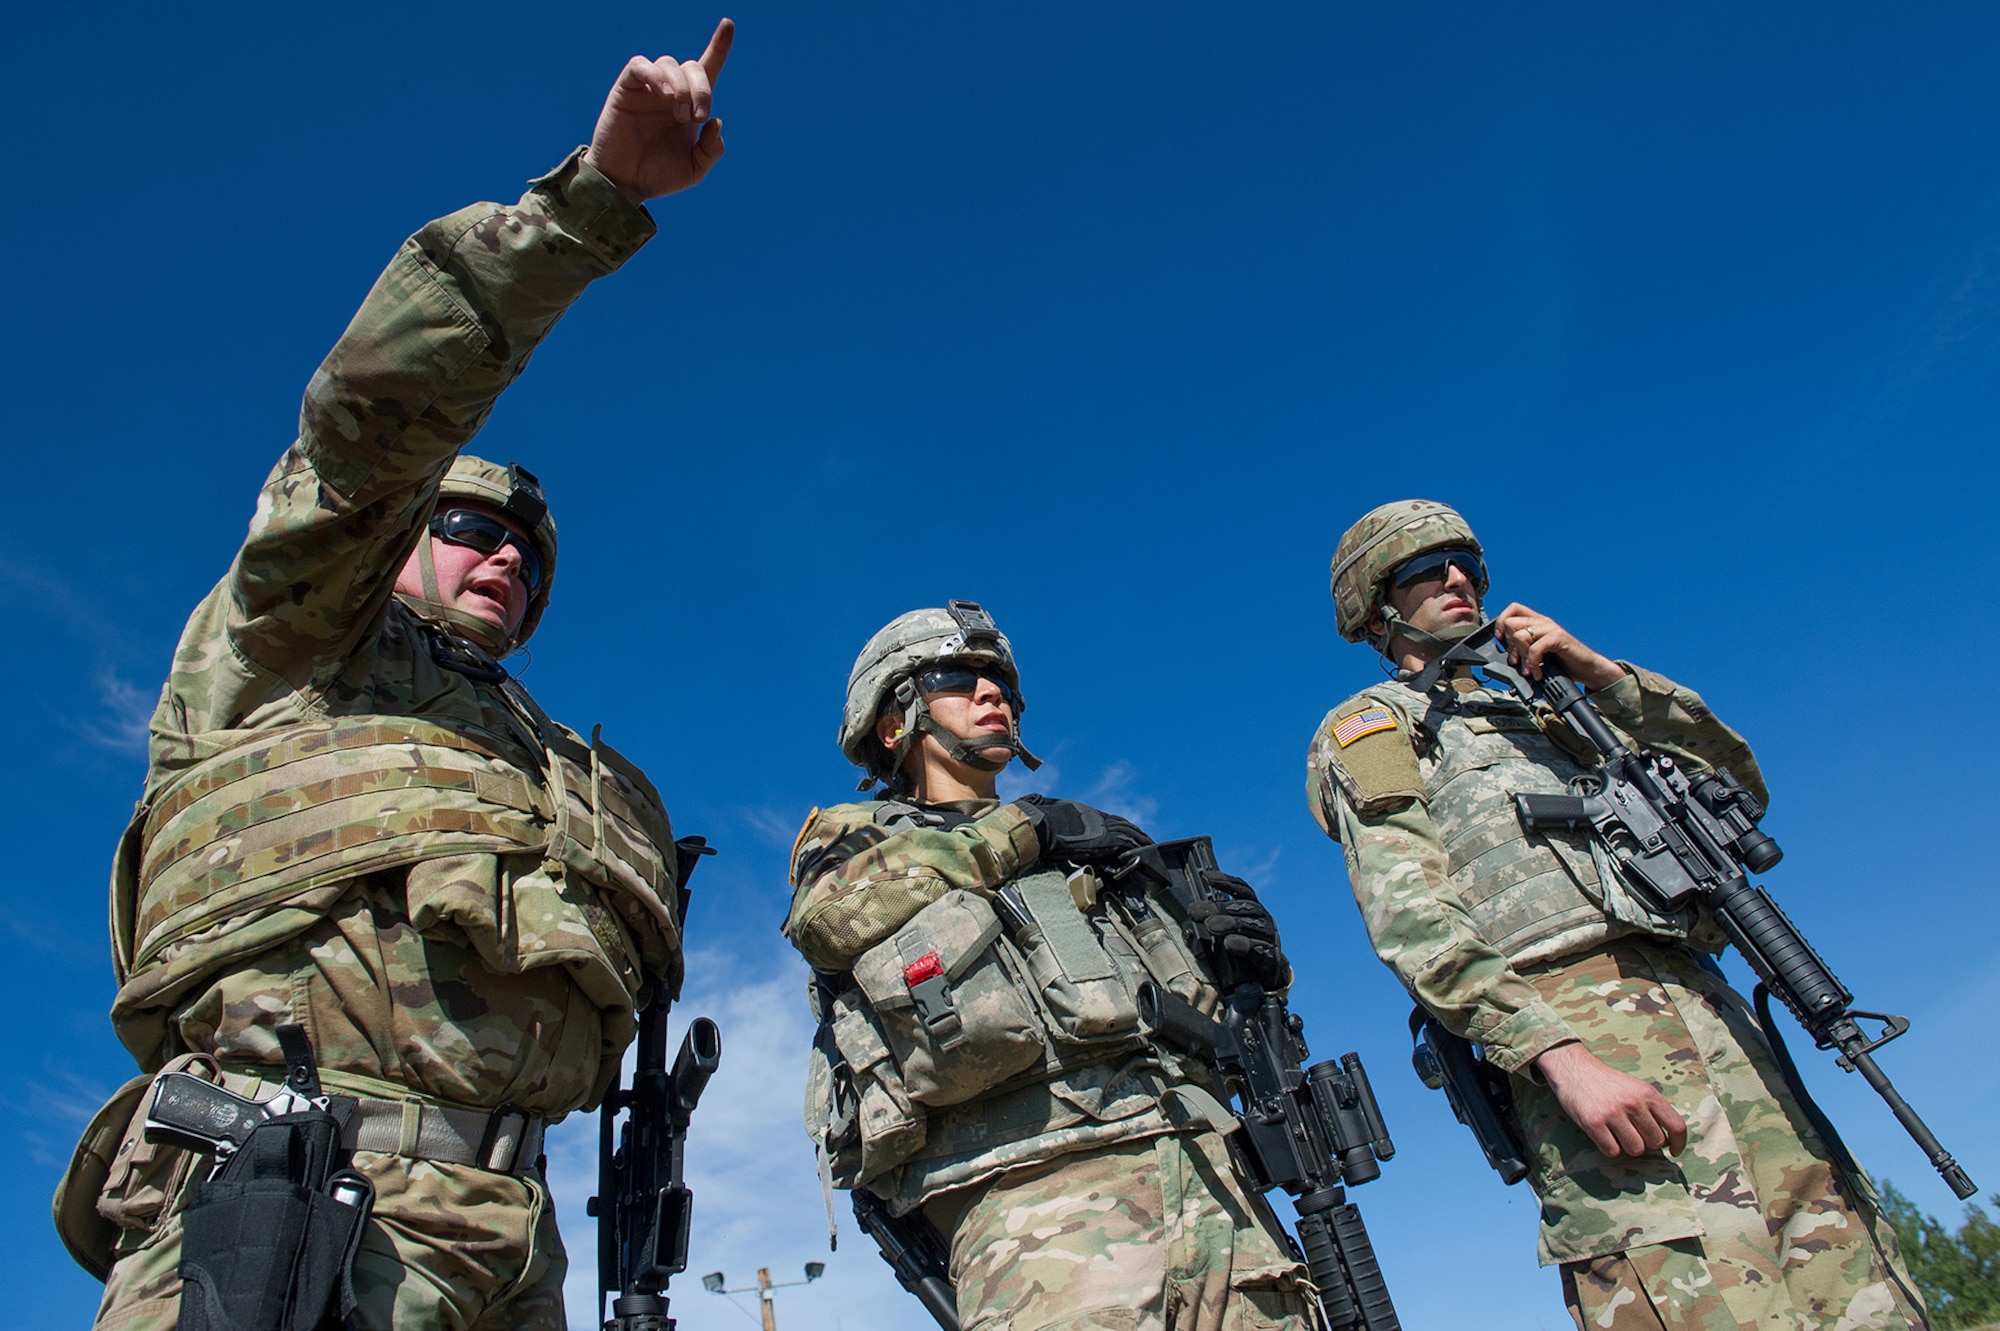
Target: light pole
x=712, y=1282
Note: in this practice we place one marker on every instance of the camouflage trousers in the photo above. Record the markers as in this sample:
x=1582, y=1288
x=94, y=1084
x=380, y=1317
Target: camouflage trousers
x=1149, y=1235
x=1750, y=1226
x=448, y=1246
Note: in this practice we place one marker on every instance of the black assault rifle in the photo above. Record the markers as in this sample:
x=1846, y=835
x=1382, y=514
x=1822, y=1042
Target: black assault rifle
x=643, y=1204
x=913, y=1250
x=1680, y=837
x=1306, y=1130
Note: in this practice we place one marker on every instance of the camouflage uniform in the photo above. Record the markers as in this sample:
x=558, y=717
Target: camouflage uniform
x=1068, y=1165
x=1523, y=942
x=351, y=823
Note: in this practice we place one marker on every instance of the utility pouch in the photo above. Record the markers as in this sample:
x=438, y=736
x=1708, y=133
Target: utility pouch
x=268, y=1244
x=951, y=1007
x=1087, y=997
x=855, y=1101
x=118, y=1183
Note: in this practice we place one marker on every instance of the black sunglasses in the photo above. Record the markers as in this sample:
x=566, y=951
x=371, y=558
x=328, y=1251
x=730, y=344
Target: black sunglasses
x=963, y=679
x=478, y=531
x=1433, y=565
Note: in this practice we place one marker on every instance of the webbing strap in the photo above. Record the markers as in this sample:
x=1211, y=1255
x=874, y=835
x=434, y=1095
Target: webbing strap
x=506, y=1140
x=1069, y=935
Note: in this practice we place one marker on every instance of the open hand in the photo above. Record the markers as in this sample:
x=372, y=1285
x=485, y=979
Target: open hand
x=656, y=135
x=1621, y=1114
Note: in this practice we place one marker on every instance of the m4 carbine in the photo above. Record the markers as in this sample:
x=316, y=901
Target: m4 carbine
x=1680, y=837
x=1307, y=1130
x=643, y=1204
x=915, y=1252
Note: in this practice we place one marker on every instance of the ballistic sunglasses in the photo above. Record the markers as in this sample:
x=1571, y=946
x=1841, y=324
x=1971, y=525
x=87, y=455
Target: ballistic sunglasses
x=1433, y=565
x=964, y=679
x=478, y=531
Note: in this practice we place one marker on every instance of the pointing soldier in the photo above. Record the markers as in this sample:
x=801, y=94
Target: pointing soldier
x=1681, y=1183
x=978, y=1066
x=367, y=865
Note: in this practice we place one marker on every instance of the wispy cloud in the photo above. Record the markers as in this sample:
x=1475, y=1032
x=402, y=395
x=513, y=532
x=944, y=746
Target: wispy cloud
x=1113, y=793
x=126, y=711
x=778, y=827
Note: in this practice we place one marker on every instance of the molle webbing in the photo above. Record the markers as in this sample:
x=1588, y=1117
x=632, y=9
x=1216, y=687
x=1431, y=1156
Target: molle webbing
x=261, y=825
x=323, y=803
x=1531, y=897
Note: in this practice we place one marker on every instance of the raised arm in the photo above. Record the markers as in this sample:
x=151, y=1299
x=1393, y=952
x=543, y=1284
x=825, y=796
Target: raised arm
x=446, y=327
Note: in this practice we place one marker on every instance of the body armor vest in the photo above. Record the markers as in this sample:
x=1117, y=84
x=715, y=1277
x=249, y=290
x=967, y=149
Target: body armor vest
x=248, y=847
x=977, y=1038
x=1534, y=898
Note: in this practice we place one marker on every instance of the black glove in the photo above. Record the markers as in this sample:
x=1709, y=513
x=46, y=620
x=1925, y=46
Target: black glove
x=1078, y=834
x=1243, y=930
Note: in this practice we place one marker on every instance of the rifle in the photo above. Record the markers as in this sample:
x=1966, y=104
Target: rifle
x=1679, y=837
x=914, y=1252
x=1306, y=1130
x=1478, y=1093
x=643, y=1205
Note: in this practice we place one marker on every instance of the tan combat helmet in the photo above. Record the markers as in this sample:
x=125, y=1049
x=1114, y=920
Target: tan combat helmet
x=514, y=491
x=886, y=670
x=1374, y=546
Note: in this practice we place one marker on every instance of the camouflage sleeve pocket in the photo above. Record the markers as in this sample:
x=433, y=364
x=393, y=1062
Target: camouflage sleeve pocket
x=950, y=1006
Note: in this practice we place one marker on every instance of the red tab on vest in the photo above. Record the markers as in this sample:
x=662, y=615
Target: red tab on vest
x=926, y=967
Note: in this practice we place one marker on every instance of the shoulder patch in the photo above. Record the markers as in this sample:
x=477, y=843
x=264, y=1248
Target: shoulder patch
x=804, y=828
x=1365, y=722
x=1368, y=750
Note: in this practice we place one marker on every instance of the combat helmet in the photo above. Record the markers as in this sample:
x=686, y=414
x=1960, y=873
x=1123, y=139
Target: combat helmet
x=886, y=670
x=514, y=491
x=1385, y=537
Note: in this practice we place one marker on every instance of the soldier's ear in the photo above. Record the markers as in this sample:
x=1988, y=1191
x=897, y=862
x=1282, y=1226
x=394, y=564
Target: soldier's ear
x=889, y=728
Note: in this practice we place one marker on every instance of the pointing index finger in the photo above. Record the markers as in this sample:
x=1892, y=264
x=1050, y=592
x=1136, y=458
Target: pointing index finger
x=717, y=53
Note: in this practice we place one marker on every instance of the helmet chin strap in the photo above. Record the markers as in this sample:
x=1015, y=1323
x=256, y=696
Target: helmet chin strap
x=918, y=721
x=433, y=608
x=1395, y=626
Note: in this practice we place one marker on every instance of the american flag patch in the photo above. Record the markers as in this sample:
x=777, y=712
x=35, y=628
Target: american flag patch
x=1363, y=723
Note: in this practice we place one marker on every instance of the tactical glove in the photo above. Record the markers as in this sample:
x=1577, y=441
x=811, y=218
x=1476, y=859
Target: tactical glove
x=1243, y=930
x=1075, y=833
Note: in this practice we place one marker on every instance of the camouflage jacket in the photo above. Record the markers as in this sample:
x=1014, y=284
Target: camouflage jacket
x=474, y=977
x=1368, y=795
x=1027, y=1046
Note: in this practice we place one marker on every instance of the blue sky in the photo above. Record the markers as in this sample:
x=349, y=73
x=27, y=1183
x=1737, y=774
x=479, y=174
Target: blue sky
x=1111, y=317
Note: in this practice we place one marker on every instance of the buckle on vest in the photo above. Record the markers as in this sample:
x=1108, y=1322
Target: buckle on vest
x=932, y=996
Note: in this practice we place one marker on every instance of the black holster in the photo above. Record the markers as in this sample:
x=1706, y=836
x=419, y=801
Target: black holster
x=269, y=1243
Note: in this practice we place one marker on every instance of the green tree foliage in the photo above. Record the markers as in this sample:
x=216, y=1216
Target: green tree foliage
x=1958, y=1274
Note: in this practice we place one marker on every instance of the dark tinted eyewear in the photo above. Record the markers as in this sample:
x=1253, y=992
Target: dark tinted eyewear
x=963, y=679
x=477, y=531
x=1433, y=565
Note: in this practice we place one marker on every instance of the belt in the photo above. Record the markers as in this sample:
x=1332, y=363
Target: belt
x=507, y=1141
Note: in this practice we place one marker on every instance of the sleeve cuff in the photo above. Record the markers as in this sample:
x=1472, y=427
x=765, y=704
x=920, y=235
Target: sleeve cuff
x=1512, y=1045
x=594, y=210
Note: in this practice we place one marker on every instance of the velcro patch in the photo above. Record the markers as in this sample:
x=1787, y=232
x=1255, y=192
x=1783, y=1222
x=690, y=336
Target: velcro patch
x=1363, y=723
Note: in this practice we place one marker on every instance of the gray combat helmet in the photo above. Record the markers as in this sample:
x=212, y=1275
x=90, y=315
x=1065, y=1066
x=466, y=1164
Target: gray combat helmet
x=1369, y=552
x=886, y=671
x=514, y=491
